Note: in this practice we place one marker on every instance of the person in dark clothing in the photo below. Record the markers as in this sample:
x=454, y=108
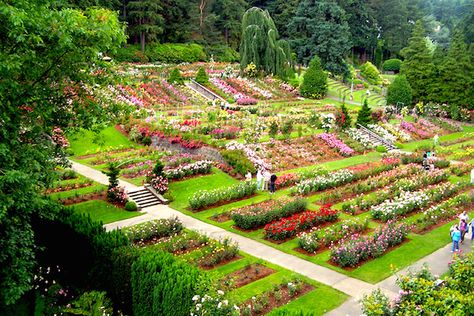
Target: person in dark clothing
x=273, y=179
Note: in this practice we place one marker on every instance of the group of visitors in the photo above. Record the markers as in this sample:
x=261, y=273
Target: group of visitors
x=265, y=180
x=458, y=231
x=429, y=158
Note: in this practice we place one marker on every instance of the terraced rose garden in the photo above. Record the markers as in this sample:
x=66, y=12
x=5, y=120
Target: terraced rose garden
x=340, y=202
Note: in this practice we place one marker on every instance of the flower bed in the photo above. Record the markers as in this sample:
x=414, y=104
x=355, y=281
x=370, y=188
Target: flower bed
x=324, y=182
x=318, y=238
x=336, y=143
x=444, y=211
x=364, y=139
x=410, y=127
x=218, y=252
x=205, y=198
x=352, y=250
x=286, y=180
x=153, y=230
x=199, y=167
x=255, y=216
x=398, y=132
x=289, y=227
x=379, y=130
x=408, y=202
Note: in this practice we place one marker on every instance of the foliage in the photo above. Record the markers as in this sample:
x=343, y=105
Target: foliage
x=92, y=303
x=393, y=64
x=204, y=198
x=319, y=28
x=364, y=116
x=202, y=77
x=45, y=54
x=239, y=161
x=159, y=281
x=159, y=183
x=343, y=118
x=131, y=206
x=213, y=305
x=158, y=168
x=417, y=66
x=376, y=303
x=175, y=77
x=175, y=53
x=260, y=44
x=148, y=20
x=370, y=73
x=314, y=84
x=399, y=91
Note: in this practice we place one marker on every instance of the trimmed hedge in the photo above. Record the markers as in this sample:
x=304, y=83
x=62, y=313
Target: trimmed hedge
x=175, y=53
x=393, y=64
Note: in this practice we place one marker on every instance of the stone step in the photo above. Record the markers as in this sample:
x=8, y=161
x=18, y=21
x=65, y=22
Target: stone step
x=152, y=203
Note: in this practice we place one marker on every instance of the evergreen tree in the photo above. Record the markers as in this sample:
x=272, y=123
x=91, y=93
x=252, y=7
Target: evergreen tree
x=364, y=117
x=147, y=20
x=455, y=74
x=320, y=28
x=399, y=91
x=417, y=66
x=202, y=77
x=175, y=77
x=260, y=44
x=229, y=19
x=347, y=118
x=315, y=81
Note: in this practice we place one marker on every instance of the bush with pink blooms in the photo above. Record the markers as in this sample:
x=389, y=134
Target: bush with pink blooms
x=336, y=143
x=159, y=183
x=354, y=249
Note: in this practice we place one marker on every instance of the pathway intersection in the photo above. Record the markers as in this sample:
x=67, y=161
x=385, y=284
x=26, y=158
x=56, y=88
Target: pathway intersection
x=437, y=261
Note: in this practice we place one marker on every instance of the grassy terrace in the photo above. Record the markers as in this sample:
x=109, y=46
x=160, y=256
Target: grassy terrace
x=102, y=211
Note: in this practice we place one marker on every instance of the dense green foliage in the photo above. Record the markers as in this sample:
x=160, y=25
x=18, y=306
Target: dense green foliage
x=202, y=77
x=166, y=53
x=159, y=282
x=45, y=53
x=370, y=73
x=393, y=64
x=315, y=81
x=320, y=28
x=399, y=91
x=261, y=45
x=347, y=119
x=148, y=22
x=175, y=77
x=364, y=116
x=239, y=161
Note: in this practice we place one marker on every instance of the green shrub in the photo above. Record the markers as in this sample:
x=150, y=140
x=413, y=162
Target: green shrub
x=223, y=53
x=399, y=145
x=399, y=91
x=131, y=53
x=175, y=77
x=381, y=149
x=376, y=304
x=364, y=116
x=131, y=206
x=92, y=303
x=159, y=282
x=315, y=81
x=67, y=174
x=239, y=161
x=175, y=53
x=392, y=65
x=370, y=73
x=202, y=77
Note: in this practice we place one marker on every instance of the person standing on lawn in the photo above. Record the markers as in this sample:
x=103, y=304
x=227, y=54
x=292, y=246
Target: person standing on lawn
x=266, y=180
x=273, y=179
x=259, y=179
x=463, y=229
x=456, y=237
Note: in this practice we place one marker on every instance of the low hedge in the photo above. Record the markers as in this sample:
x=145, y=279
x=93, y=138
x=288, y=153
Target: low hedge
x=393, y=64
x=175, y=53
x=257, y=217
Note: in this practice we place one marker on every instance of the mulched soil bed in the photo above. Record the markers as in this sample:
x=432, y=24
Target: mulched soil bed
x=361, y=263
x=222, y=263
x=221, y=218
x=285, y=298
x=221, y=203
x=248, y=275
x=102, y=196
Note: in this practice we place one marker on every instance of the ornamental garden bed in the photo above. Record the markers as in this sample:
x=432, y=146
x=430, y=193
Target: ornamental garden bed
x=221, y=203
x=247, y=275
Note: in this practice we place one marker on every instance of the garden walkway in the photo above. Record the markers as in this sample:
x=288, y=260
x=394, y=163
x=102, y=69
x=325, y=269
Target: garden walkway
x=437, y=261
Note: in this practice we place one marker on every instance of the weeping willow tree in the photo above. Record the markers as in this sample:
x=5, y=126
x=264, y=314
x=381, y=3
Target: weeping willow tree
x=260, y=44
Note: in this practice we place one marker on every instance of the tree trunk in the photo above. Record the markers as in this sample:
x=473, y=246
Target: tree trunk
x=226, y=35
x=142, y=41
x=202, y=6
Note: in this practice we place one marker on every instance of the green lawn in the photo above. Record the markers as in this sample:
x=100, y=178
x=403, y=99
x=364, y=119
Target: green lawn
x=88, y=142
x=102, y=211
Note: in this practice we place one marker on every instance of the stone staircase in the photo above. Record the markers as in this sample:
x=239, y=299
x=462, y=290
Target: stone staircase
x=205, y=92
x=376, y=139
x=146, y=197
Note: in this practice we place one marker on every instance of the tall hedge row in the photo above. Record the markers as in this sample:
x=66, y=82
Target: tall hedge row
x=163, y=286
x=166, y=53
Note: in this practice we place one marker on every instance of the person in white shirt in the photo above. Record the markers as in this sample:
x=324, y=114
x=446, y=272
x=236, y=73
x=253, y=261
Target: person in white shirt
x=464, y=216
x=266, y=180
x=259, y=179
x=472, y=176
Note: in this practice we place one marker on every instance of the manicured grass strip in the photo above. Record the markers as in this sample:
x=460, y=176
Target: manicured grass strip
x=88, y=142
x=412, y=146
x=102, y=211
x=183, y=190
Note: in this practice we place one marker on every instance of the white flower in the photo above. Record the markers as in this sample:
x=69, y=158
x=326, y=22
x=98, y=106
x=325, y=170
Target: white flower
x=195, y=297
x=219, y=305
x=226, y=302
x=220, y=292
